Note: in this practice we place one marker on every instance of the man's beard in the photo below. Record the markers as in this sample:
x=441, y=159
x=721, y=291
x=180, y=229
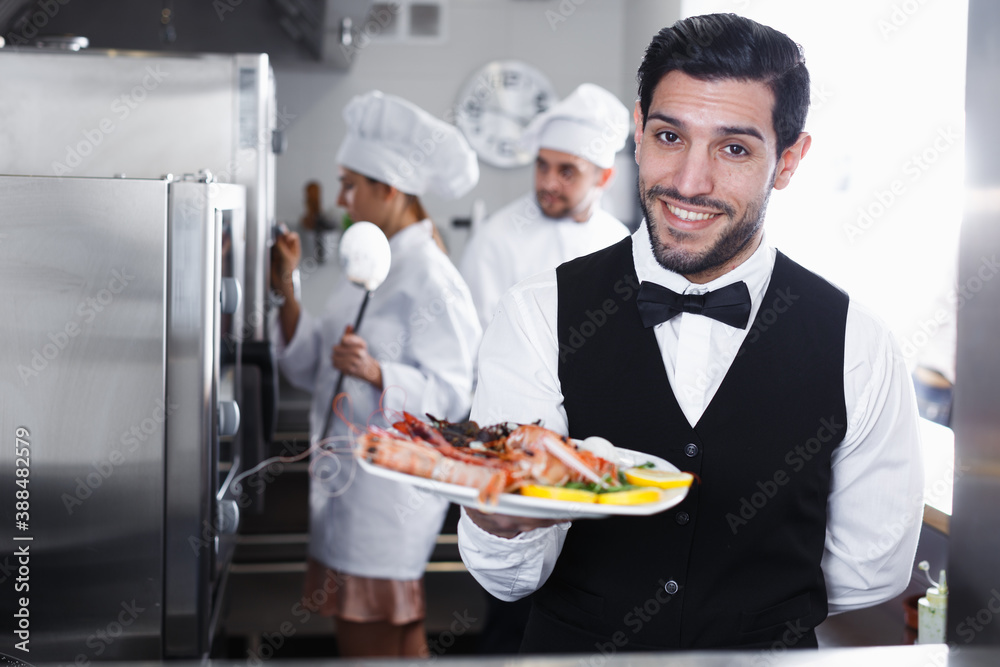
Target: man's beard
x=735, y=236
x=558, y=207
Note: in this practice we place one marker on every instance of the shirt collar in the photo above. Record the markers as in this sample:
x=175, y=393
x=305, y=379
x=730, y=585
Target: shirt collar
x=755, y=271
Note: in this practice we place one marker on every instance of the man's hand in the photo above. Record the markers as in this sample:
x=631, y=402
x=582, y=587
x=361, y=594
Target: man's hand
x=350, y=357
x=502, y=525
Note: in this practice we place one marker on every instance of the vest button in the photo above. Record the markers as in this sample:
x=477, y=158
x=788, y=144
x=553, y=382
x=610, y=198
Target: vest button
x=682, y=518
x=671, y=587
x=691, y=450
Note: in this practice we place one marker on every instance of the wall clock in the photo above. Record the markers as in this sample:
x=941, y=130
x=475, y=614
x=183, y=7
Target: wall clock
x=496, y=104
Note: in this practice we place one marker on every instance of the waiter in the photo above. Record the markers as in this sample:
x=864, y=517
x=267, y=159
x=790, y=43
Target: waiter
x=790, y=402
x=576, y=141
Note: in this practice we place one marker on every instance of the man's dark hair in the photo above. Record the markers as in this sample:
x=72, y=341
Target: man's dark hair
x=727, y=46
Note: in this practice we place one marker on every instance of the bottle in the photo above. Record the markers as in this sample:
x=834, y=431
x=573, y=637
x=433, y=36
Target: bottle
x=932, y=610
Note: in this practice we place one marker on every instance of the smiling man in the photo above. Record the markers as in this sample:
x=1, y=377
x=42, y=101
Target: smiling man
x=575, y=143
x=697, y=167
x=697, y=342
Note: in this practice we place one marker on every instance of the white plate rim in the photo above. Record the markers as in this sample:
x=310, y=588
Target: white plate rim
x=541, y=508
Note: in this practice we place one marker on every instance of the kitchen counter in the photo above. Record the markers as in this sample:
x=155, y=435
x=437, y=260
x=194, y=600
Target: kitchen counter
x=933, y=655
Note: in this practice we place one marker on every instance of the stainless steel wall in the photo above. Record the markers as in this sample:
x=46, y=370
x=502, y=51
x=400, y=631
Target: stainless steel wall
x=144, y=114
x=83, y=293
x=117, y=525
x=974, y=554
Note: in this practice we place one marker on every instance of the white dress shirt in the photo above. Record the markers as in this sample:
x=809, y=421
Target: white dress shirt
x=518, y=241
x=422, y=328
x=876, y=498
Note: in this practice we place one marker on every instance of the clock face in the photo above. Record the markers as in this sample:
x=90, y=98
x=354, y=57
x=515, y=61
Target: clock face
x=495, y=106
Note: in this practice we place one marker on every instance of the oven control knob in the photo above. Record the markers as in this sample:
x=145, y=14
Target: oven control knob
x=229, y=418
x=227, y=517
x=230, y=295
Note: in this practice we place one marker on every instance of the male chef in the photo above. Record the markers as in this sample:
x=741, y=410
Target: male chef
x=697, y=342
x=576, y=141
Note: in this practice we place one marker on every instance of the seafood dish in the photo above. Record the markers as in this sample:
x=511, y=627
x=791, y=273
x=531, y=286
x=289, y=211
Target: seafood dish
x=536, y=463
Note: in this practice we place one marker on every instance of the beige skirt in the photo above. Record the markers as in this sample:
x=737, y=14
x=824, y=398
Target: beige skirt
x=362, y=599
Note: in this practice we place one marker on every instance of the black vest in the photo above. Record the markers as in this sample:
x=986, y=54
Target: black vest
x=737, y=563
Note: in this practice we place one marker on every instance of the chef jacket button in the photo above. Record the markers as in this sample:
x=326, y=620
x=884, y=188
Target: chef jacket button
x=671, y=587
x=691, y=450
x=682, y=518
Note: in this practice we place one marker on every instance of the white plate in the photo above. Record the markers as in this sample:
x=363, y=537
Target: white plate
x=514, y=504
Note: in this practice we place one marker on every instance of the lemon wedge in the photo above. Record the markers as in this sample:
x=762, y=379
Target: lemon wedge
x=663, y=479
x=630, y=497
x=558, y=493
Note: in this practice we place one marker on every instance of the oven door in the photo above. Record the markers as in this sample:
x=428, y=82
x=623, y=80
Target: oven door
x=206, y=232
x=83, y=297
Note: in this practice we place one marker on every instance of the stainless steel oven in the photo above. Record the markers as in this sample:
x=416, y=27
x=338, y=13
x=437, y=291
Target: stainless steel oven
x=102, y=113
x=120, y=413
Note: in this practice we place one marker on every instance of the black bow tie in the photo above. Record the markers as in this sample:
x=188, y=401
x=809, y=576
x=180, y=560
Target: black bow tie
x=729, y=305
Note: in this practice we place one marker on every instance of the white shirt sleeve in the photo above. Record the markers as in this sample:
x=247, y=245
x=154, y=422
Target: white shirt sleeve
x=510, y=569
x=484, y=268
x=518, y=381
x=876, y=499
x=299, y=358
x=518, y=359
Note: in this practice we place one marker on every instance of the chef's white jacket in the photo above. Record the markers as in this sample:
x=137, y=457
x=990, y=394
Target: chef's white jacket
x=421, y=326
x=519, y=241
x=876, y=500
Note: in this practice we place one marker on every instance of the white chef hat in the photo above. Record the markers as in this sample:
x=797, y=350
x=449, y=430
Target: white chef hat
x=397, y=142
x=591, y=123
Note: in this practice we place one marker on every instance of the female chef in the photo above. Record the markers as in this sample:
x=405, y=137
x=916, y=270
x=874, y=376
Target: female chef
x=371, y=538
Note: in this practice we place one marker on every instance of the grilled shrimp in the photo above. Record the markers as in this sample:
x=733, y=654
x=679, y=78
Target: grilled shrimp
x=530, y=454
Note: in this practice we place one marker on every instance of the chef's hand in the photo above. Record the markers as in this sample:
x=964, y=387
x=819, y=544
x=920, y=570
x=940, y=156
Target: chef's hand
x=350, y=357
x=285, y=255
x=502, y=525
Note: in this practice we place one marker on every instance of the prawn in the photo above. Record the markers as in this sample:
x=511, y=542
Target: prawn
x=415, y=457
x=553, y=460
x=528, y=454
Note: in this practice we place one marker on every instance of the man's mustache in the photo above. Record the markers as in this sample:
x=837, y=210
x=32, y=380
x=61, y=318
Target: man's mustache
x=658, y=191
